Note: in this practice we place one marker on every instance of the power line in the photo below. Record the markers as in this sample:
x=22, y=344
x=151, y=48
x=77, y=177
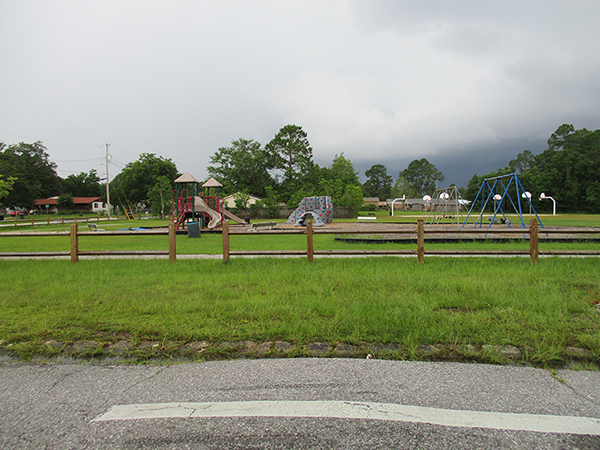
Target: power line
x=47, y=140
x=77, y=160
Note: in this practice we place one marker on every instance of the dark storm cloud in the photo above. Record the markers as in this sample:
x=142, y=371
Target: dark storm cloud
x=382, y=81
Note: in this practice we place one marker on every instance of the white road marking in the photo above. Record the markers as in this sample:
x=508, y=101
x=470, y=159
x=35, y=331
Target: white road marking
x=358, y=410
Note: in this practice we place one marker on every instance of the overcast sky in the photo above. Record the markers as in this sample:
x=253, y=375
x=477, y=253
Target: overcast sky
x=466, y=84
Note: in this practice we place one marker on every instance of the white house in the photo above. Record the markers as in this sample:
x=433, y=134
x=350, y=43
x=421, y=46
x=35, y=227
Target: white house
x=230, y=200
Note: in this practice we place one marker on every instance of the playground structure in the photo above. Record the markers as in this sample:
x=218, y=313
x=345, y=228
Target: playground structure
x=204, y=204
x=319, y=208
x=129, y=212
x=497, y=191
x=444, y=203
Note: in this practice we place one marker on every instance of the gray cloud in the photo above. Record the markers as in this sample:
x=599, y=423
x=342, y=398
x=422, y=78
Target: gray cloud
x=466, y=84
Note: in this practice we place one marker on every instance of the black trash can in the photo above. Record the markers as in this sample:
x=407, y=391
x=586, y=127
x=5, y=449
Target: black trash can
x=193, y=229
x=247, y=219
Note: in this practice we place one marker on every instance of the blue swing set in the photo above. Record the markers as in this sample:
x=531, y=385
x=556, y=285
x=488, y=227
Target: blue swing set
x=496, y=190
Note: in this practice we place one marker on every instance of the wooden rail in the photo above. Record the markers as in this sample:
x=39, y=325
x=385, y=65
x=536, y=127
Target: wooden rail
x=50, y=219
x=420, y=231
x=532, y=232
x=74, y=251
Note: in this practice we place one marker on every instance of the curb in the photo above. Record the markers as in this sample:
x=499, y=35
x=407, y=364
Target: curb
x=166, y=351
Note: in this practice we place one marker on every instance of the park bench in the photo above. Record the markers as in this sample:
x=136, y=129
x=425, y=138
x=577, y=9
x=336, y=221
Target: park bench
x=269, y=225
x=367, y=218
x=94, y=227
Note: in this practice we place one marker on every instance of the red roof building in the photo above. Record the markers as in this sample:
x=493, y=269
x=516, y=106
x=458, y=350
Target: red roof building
x=84, y=204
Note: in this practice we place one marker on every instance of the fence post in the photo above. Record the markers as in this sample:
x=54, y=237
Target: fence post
x=62, y=220
x=74, y=243
x=172, y=242
x=534, y=250
x=226, y=241
x=32, y=221
x=48, y=220
x=15, y=221
x=420, y=241
x=310, y=251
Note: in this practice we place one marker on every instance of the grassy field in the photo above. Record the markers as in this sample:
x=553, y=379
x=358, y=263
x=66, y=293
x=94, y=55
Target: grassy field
x=541, y=309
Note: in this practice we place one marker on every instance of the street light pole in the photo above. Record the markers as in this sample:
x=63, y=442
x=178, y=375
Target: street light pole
x=107, y=189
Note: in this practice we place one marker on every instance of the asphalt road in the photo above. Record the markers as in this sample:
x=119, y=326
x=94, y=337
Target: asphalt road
x=296, y=404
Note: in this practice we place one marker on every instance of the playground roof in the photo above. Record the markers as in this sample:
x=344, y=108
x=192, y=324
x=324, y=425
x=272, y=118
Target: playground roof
x=212, y=183
x=186, y=178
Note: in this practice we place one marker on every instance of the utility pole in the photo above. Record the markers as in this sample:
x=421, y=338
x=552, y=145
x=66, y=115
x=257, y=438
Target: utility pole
x=107, y=190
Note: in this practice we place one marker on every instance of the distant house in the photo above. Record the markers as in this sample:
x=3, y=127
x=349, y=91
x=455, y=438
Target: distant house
x=374, y=201
x=80, y=204
x=230, y=200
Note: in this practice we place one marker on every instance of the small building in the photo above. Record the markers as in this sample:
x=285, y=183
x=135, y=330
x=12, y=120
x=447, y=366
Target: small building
x=80, y=204
x=374, y=201
x=230, y=200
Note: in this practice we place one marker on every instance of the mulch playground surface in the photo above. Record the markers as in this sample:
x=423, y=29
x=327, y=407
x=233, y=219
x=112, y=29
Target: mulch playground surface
x=397, y=232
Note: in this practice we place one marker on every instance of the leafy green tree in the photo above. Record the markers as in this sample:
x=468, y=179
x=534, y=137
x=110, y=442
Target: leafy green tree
x=65, y=201
x=159, y=195
x=379, y=183
x=34, y=174
x=568, y=170
x=422, y=175
x=241, y=200
x=84, y=185
x=523, y=162
x=403, y=187
x=6, y=186
x=135, y=181
x=339, y=180
x=244, y=166
x=292, y=155
x=353, y=198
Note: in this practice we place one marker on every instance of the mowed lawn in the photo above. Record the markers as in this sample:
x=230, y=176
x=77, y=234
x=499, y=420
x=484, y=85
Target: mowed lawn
x=541, y=309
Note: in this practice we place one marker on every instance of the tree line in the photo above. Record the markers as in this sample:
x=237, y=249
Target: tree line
x=568, y=171
x=283, y=171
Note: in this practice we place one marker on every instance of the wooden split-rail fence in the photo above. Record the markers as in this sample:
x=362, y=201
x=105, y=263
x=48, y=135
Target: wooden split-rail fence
x=420, y=231
x=532, y=234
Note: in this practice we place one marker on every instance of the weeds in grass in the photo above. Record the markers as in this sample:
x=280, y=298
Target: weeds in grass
x=457, y=303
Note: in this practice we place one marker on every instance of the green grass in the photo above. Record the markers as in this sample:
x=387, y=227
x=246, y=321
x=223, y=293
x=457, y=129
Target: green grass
x=539, y=308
